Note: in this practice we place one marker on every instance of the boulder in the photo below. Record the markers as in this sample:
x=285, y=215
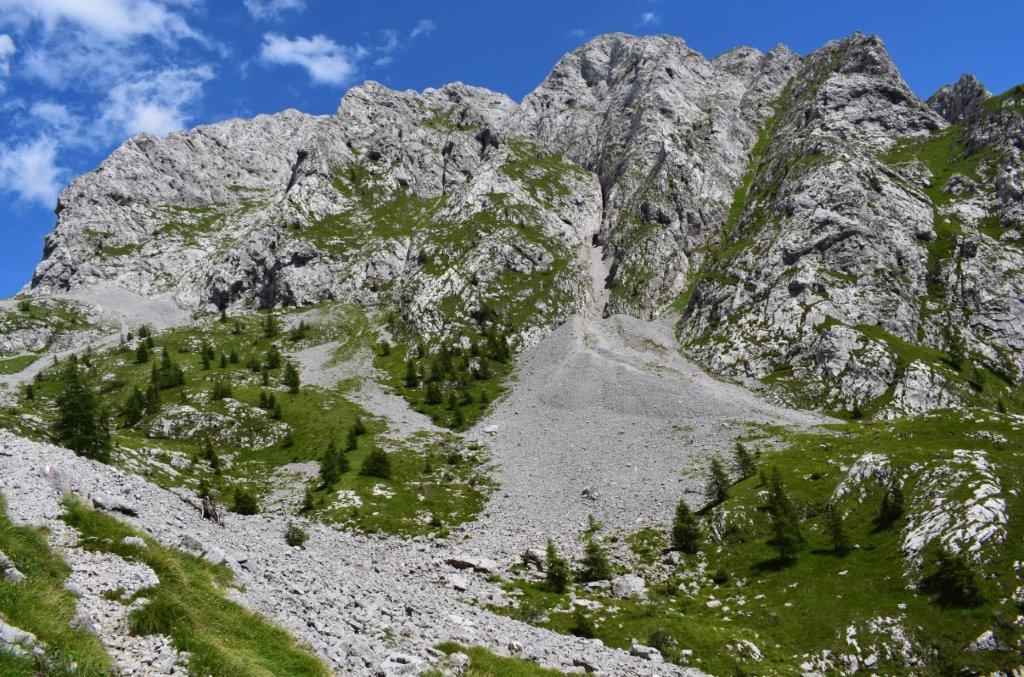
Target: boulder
x=629, y=586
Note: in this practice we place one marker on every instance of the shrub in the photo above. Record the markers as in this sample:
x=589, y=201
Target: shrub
x=662, y=640
x=245, y=502
x=837, y=529
x=376, y=464
x=295, y=536
x=291, y=378
x=582, y=626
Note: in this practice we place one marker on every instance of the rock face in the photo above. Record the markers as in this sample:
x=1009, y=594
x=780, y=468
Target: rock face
x=954, y=102
x=814, y=220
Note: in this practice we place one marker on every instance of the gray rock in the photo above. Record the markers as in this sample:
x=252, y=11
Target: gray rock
x=112, y=503
x=133, y=541
x=629, y=586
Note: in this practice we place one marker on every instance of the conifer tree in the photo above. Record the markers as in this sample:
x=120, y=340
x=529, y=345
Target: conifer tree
x=142, y=353
x=134, y=407
x=718, y=482
x=745, y=461
x=556, y=569
x=330, y=471
x=81, y=423
x=223, y=361
x=595, y=565
x=233, y=356
x=837, y=529
x=891, y=508
x=270, y=326
x=433, y=394
x=685, y=529
x=291, y=378
x=412, y=378
x=786, y=536
x=358, y=427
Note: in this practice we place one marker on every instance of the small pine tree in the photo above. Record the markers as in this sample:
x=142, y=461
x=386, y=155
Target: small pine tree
x=291, y=378
x=223, y=316
x=351, y=439
x=433, y=394
x=81, y=424
x=210, y=454
x=221, y=390
x=330, y=471
x=718, y=482
x=685, y=529
x=307, y=501
x=223, y=361
x=275, y=412
x=358, y=428
x=837, y=529
x=785, y=525
x=270, y=326
x=891, y=508
x=412, y=378
x=141, y=354
x=206, y=361
x=233, y=357
x=134, y=407
x=745, y=464
x=458, y=419
x=376, y=464
x=152, y=399
x=595, y=565
x=273, y=359
x=30, y=392
x=556, y=569
x=384, y=348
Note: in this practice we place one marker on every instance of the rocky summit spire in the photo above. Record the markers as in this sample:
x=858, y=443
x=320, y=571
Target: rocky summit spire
x=954, y=102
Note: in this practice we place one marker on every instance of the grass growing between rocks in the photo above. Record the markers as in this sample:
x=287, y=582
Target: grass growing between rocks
x=13, y=365
x=801, y=613
x=486, y=663
x=255, y=429
x=39, y=604
x=189, y=606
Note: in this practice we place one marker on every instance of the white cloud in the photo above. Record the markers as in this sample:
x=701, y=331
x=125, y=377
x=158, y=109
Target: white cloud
x=389, y=40
x=649, y=19
x=576, y=33
x=7, y=50
x=30, y=171
x=158, y=103
x=112, y=19
x=327, y=62
x=423, y=27
x=264, y=10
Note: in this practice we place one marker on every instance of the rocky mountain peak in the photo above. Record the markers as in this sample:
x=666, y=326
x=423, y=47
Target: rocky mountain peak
x=954, y=102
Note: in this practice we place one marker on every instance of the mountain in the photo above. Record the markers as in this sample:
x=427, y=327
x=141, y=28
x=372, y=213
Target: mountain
x=735, y=338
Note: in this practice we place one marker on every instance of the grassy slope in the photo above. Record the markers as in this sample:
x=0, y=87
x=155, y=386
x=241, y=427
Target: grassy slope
x=789, y=610
x=484, y=663
x=452, y=493
x=189, y=605
x=41, y=605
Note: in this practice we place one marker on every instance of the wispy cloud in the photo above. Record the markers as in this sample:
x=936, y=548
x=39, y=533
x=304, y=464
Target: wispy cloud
x=271, y=10
x=577, y=33
x=157, y=102
x=29, y=170
x=423, y=27
x=649, y=19
x=112, y=19
x=7, y=50
x=326, y=62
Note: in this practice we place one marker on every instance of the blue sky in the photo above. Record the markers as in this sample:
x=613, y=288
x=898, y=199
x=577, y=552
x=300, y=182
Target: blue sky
x=77, y=77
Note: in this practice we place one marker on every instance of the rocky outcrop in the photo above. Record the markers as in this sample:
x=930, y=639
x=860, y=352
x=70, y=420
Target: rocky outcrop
x=839, y=255
x=954, y=102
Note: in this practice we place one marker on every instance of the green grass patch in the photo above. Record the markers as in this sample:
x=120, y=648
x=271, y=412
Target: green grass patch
x=40, y=605
x=805, y=606
x=189, y=605
x=14, y=365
